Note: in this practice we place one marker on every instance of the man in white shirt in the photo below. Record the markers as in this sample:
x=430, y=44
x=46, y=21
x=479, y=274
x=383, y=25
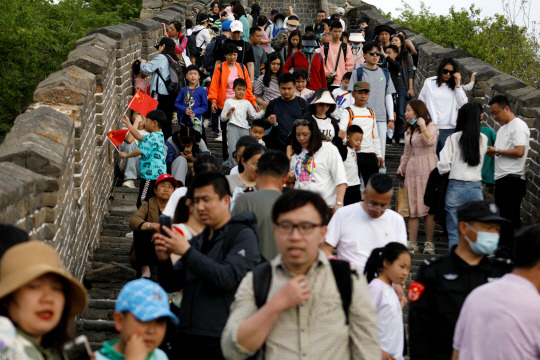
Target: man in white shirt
x=510, y=152
x=501, y=319
x=359, y=228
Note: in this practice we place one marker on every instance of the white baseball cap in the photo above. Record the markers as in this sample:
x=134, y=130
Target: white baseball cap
x=340, y=11
x=236, y=25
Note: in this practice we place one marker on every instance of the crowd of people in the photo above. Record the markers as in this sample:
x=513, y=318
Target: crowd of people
x=286, y=247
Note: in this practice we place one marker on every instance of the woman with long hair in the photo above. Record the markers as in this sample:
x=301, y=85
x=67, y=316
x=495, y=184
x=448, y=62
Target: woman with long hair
x=39, y=300
x=294, y=43
x=159, y=69
x=443, y=96
x=463, y=157
x=404, y=84
x=266, y=87
x=316, y=164
x=417, y=162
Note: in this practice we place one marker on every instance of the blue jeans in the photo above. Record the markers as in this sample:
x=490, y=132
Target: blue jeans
x=457, y=194
x=441, y=140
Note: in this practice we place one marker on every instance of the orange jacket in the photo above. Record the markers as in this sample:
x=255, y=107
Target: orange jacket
x=218, y=86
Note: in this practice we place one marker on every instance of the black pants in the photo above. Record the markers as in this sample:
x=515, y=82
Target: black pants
x=196, y=347
x=509, y=192
x=166, y=104
x=144, y=248
x=146, y=191
x=367, y=165
x=352, y=195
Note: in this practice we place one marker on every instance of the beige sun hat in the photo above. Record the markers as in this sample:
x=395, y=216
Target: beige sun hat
x=326, y=98
x=29, y=260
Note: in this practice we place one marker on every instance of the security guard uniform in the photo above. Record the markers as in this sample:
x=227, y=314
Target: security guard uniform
x=436, y=297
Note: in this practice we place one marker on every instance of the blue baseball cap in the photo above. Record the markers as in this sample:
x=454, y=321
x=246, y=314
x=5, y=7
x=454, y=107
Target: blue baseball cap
x=226, y=26
x=145, y=299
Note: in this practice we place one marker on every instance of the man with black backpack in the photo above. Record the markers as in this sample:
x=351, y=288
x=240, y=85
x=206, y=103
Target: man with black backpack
x=282, y=112
x=302, y=305
x=211, y=267
x=337, y=57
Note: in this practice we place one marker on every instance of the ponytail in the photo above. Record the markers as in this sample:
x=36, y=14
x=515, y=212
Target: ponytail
x=374, y=264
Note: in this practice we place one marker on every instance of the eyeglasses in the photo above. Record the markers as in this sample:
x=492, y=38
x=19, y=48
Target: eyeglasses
x=301, y=122
x=446, y=72
x=374, y=53
x=377, y=207
x=304, y=228
x=254, y=165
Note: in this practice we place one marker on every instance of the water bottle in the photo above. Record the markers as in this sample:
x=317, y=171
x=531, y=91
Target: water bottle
x=390, y=133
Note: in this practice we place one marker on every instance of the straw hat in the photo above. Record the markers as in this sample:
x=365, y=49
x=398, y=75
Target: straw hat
x=29, y=260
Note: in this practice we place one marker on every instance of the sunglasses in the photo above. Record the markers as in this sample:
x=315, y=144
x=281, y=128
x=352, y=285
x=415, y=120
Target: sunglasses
x=301, y=122
x=374, y=53
x=446, y=72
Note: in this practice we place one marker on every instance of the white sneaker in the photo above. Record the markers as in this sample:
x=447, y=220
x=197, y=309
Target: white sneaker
x=219, y=137
x=429, y=248
x=129, y=184
x=206, y=123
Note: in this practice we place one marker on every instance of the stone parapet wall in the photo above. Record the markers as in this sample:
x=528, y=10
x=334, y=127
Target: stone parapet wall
x=56, y=166
x=524, y=99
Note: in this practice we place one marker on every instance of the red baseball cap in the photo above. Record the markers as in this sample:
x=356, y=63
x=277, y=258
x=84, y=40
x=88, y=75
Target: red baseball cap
x=167, y=177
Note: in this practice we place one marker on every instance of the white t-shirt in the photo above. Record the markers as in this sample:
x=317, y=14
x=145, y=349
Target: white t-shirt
x=321, y=173
x=351, y=167
x=326, y=127
x=356, y=234
x=343, y=100
x=389, y=317
x=515, y=133
x=234, y=171
x=451, y=159
x=242, y=111
x=370, y=141
x=442, y=102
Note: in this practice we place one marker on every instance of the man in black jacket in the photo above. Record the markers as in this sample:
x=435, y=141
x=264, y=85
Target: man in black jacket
x=211, y=267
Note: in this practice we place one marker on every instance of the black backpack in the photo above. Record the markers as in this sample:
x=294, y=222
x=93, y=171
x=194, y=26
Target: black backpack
x=194, y=52
x=176, y=81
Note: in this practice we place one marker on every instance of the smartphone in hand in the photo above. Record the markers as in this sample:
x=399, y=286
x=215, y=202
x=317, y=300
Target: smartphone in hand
x=164, y=220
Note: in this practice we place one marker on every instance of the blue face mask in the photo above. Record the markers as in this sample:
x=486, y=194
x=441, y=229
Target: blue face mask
x=486, y=242
x=413, y=121
x=309, y=50
x=356, y=46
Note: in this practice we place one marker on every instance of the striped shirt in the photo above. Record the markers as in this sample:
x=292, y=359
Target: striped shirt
x=268, y=93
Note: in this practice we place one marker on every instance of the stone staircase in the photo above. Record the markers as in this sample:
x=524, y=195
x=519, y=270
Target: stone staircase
x=109, y=267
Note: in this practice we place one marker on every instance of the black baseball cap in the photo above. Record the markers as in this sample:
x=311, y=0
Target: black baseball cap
x=481, y=210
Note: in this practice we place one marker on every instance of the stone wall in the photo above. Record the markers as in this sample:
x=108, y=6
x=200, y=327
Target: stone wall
x=56, y=167
x=524, y=100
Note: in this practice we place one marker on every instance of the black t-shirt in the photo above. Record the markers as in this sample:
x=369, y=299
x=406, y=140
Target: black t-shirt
x=245, y=51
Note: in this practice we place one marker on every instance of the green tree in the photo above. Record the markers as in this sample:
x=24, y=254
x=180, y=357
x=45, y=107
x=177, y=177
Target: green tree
x=497, y=40
x=36, y=37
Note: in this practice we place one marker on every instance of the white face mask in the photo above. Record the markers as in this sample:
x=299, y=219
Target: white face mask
x=292, y=28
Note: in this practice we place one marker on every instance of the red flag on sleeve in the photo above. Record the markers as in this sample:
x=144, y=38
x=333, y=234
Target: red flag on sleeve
x=142, y=103
x=117, y=136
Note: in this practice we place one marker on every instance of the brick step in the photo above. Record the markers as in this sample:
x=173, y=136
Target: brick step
x=117, y=227
x=120, y=220
x=115, y=240
x=97, y=330
x=121, y=258
x=114, y=233
x=111, y=251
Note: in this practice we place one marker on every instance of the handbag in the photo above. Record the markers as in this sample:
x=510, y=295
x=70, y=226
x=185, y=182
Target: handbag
x=403, y=201
x=330, y=80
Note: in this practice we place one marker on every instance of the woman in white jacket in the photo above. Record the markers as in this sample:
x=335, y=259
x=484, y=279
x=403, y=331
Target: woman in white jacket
x=463, y=156
x=443, y=96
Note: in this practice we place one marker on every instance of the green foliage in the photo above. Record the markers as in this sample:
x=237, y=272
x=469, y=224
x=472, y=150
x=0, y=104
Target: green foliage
x=36, y=37
x=495, y=40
